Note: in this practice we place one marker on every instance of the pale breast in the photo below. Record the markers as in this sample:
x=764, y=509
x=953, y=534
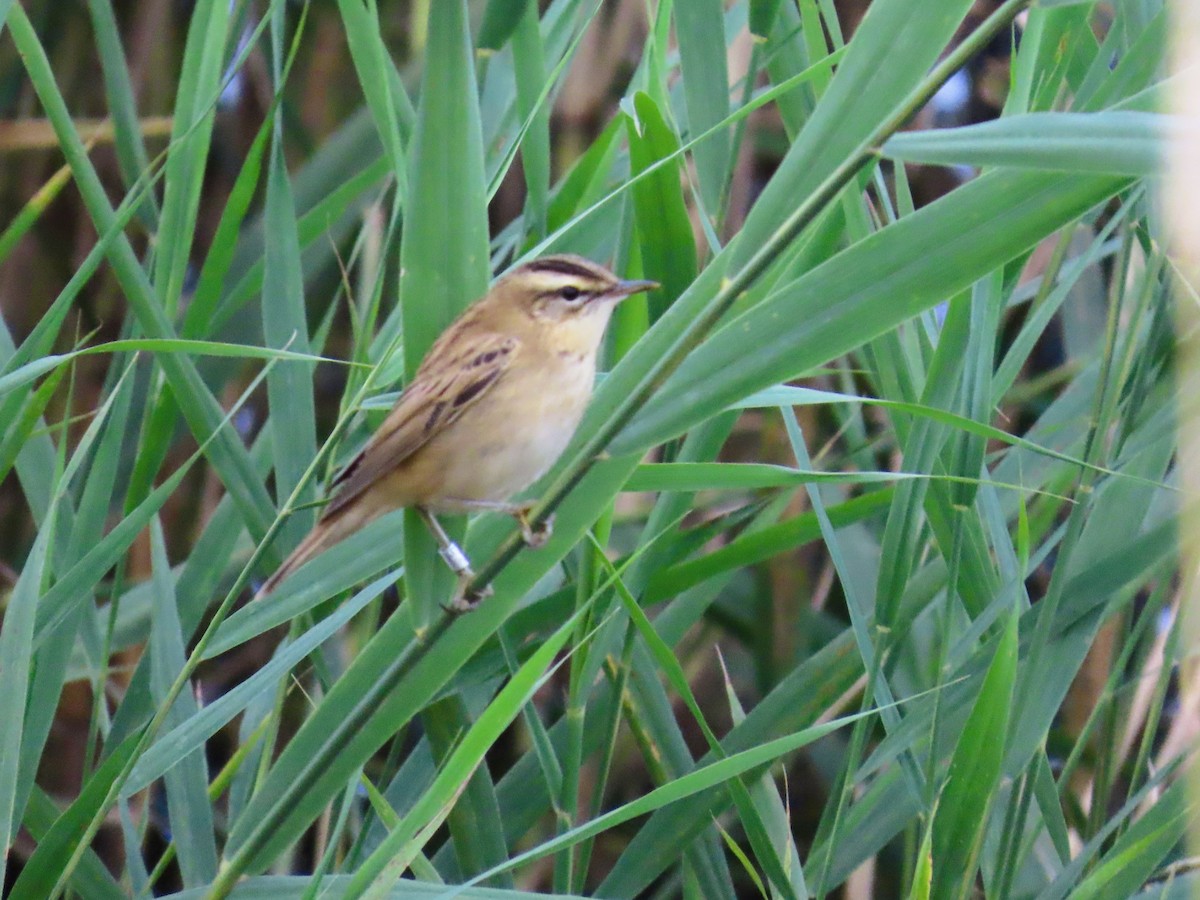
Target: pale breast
x=514, y=434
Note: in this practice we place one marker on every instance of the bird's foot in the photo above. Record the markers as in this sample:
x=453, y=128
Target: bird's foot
x=465, y=597
x=534, y=537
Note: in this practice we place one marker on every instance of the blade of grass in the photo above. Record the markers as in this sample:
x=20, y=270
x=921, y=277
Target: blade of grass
x=16, y=657
x=444, y=259
x=961, y=819
x=395, y=854
x=187, y=155
x=700, y=31
x=289, y=385
x=664, y=230
x=530, y=69
x=1114, y=141
x=44, y=873
x=127, y=130
x=186, y=782
x=200, y=408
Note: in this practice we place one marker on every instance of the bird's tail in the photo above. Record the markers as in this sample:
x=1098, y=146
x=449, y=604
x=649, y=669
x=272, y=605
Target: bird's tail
x=326, y=533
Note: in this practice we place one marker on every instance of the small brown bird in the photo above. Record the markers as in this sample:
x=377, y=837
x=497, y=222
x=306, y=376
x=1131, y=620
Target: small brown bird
x=490, y=409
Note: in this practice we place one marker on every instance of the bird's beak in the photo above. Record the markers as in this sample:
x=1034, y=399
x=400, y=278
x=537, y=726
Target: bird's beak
x=623, y=289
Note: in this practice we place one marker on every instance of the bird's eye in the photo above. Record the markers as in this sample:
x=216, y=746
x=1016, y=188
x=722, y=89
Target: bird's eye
x=570, y=292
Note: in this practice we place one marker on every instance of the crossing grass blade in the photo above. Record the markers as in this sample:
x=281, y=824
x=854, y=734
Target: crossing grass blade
x=1114, y=142
x=853, y=297
x=200, y=409
x=374, y=75
x=127, y=130
x=43, y=873
x=664, y=230
x=199, y=84
x=189, y=734
x=285, y=326
x=16, y=657
x=41, y=814
x=444, y=260
x=94, y=463
x=962, y=811
x=700, y=29
x=529, y=67
x=24, y=220
x=395, y=854
x=191, y=814
x=501, y=19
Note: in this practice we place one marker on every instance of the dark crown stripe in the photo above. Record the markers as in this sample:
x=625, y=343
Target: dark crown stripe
x=563, y=265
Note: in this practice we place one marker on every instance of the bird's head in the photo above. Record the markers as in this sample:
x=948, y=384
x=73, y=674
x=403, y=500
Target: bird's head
x=564, y=288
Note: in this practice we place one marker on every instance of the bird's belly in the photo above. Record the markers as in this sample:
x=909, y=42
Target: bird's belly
x=512, y=438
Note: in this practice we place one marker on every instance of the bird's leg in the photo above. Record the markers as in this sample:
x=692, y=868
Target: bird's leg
x=533, y=536
x=448, y=549
x=465, y=598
